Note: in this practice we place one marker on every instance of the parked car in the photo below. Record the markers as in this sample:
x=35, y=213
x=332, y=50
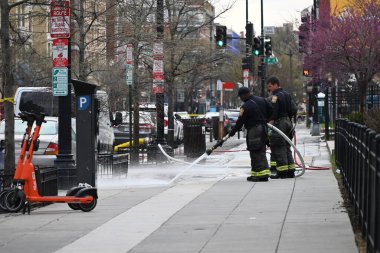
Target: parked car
x=233, y=115
x=208, y=121
x=41, y=99
x=181, y=115
x=147, y=126
x=48, y=146
x=178, y=125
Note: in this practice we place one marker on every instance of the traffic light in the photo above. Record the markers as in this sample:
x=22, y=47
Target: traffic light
x=268, y=47
x=306, y=72
x=257, y=46
x=304, y=34
x=249, y=34
x=261, y=70
x=221, y=36
x=247, y=63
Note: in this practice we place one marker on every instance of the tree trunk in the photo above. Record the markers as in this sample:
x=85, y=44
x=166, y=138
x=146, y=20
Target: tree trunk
x=8, y=85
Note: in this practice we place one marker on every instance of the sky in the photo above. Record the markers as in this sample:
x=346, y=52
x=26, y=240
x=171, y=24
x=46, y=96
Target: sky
x=276, y=12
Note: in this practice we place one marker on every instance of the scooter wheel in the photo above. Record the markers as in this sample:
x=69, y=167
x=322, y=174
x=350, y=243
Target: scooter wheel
x=73, y=206
x=14, y=200
x=88, y=207
x=3, y=193
x=72, y=192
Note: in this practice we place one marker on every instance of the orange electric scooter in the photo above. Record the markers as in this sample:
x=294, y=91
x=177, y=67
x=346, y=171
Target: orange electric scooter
x=84, y=197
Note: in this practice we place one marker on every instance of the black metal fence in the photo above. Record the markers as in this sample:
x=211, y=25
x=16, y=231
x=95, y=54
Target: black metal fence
x=358, y=157
x=112, y=164
x=344, y=99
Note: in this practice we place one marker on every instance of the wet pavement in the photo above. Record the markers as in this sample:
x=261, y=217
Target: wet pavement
x=210, y=208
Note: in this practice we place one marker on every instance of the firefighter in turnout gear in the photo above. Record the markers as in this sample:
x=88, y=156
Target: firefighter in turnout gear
x=281, y=155
x=254, y=115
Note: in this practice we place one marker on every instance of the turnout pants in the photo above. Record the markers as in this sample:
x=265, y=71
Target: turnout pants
x=256, y=144
x=281, y=154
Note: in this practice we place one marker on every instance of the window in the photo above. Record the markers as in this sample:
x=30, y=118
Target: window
x=48, y=128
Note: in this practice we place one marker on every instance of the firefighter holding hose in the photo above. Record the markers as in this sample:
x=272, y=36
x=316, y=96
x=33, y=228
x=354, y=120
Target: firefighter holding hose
x=281, y=155
x=254, y=114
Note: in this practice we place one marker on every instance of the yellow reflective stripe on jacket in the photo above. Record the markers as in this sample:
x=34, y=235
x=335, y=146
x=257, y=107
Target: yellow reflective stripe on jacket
x=273, y=164
x=292, y=166
x=260, y=173
x=282, y=168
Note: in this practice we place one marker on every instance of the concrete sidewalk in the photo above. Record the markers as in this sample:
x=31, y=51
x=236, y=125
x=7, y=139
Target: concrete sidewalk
x=212, y=208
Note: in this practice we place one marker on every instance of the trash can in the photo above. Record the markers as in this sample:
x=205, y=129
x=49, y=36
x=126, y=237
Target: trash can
x=194, y=140
x=47, y=181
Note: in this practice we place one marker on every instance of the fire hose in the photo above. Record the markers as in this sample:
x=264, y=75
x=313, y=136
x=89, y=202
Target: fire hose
x=220, y=143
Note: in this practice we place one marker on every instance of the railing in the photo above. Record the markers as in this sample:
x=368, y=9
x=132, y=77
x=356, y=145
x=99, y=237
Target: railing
x=112, y=164
x=358, y=157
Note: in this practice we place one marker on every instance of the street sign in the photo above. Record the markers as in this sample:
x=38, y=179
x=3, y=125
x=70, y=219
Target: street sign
x=158, y=86
x=129, y=54
x=60, y=81
x=219, y=85
x=158, y=49
x=129, y=74
x=158, y=67
x=60, y=53
x=271, y=60
x=269, y=30
x=228, y=86
x=60, y=19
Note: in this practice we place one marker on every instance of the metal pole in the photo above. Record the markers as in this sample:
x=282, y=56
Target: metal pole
x=130, y=118
x=290, y=67
x=263, y=75
x=246, y=12
x=160, y=96
x=64, y=162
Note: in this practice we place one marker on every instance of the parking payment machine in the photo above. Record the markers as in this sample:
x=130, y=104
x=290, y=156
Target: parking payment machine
x=86, y=132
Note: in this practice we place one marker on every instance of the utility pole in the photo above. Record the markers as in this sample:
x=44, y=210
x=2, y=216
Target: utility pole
x=160, y=95
x=65, y=162
x=263, y=65
x=316, y=128
x=158, y=81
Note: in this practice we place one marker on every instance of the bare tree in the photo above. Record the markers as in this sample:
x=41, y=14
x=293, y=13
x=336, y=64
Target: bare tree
x=188, y=22
x=12, y=40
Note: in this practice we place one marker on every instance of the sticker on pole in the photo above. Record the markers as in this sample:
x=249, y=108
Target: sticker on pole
x=60, y=53
x=60, y=81
x=60, y=19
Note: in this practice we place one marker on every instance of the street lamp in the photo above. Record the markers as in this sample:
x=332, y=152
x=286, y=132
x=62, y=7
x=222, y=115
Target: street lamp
x=315, y=131
x=309, y=91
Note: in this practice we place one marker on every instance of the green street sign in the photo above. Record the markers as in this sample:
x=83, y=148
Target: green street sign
x=60, y=81
x=271, y=60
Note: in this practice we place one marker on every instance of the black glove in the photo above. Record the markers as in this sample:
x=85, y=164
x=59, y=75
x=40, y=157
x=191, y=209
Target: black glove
x=232, y=133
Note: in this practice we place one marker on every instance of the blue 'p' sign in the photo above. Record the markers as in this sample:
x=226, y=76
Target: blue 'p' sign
x=83, y=102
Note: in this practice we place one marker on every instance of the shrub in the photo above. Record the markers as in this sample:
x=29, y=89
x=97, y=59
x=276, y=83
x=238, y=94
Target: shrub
x=356, y=117
x=372, y=119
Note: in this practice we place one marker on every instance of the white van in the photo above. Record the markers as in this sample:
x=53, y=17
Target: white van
x=41, y=99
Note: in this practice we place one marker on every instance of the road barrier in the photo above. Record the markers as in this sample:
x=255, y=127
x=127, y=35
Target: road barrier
x=357, y=151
